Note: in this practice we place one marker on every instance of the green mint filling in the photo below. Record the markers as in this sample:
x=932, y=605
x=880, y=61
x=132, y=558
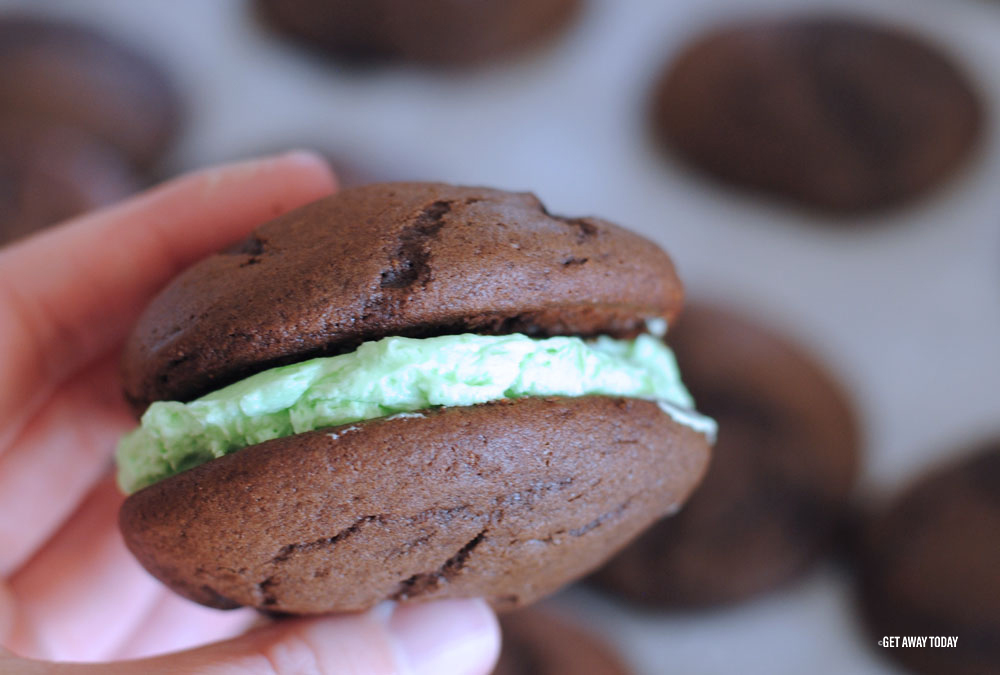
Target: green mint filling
x=390, y=376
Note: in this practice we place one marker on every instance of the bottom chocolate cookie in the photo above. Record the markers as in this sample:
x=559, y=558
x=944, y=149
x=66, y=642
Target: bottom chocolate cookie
x=536, y=642
x=507, y=500
x=930, y=569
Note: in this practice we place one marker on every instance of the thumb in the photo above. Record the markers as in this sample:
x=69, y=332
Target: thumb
x=449, y=636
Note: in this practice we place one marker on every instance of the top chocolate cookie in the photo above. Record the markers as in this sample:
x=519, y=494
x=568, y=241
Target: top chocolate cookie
x=412, y=259
x=834, y=114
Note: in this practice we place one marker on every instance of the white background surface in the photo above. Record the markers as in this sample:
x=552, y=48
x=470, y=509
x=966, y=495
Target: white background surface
x=905, y=307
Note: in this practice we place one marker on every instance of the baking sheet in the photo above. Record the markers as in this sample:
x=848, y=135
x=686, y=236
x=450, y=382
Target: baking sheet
x=905, y=308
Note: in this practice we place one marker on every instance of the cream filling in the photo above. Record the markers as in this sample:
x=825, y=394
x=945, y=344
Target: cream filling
x=399, y=376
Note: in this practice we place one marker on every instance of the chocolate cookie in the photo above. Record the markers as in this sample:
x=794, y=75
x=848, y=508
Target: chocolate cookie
x=507, y=501
x=929, y=568
x=74, y=76
x=835, y=114
x=49, y=174
x=785, y=461
x=435, y=489
x=414, y=259
x=430, y=31
x=537, y=642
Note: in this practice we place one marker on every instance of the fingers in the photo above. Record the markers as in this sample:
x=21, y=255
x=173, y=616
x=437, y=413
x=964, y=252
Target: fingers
x=70, y=293
x=56, y=460
x=452, y=636
x=458, y=637
x=175, y=624
x=82, y=595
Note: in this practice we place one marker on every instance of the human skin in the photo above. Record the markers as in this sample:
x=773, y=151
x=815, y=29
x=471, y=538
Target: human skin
x=69, y=589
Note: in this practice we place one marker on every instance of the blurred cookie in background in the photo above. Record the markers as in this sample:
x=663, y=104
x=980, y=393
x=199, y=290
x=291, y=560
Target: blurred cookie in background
x=50, y=173
x=83, y=119
x=442, y=32
x=782, y=470
x=538, y=642
x=930, y=566
x=835, y=114
x=54, y=70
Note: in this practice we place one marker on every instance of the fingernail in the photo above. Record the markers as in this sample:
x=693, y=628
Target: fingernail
x=447, y=636
x=314, y=160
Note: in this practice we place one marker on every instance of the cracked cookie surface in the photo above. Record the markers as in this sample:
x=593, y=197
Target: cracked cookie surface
x=410, y=259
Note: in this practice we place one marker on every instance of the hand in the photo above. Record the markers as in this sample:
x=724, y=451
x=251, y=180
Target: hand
x=69, y=590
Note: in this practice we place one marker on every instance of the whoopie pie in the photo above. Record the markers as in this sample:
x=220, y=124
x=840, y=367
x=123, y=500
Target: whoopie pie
x=406, y=391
